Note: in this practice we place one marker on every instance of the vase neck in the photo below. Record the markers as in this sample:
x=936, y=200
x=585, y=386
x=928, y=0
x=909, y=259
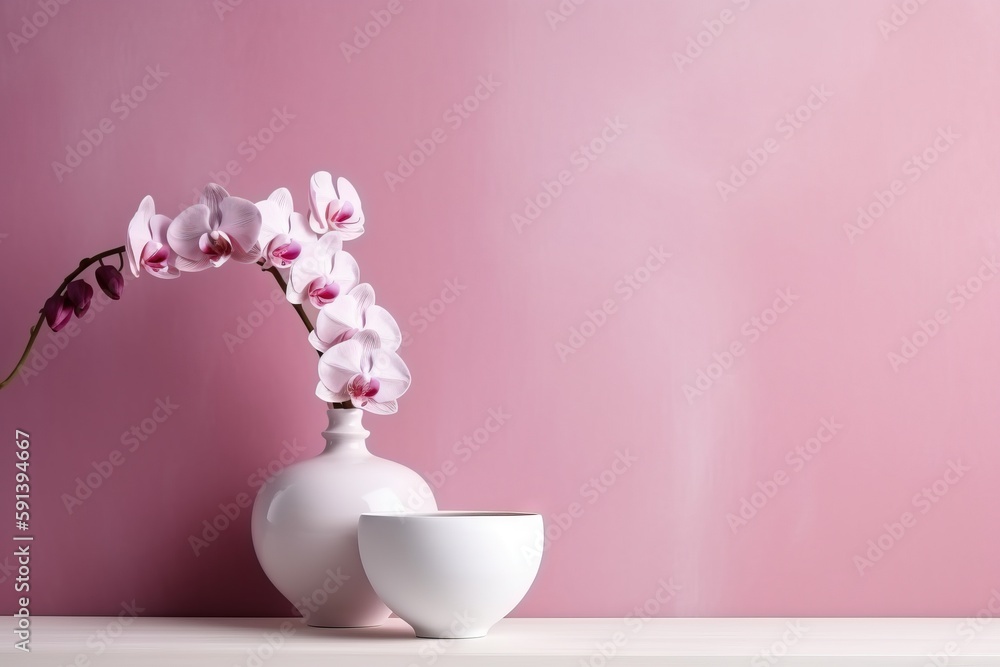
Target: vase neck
x=345, y=435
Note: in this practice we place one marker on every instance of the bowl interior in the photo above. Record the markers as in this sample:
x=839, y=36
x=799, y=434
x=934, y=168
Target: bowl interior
x=449, y=514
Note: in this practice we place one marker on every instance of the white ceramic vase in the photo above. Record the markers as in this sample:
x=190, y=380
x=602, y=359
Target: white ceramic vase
x=305, y=524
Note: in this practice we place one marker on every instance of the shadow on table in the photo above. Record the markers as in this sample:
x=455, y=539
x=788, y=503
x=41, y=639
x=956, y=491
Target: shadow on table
x=392, y=629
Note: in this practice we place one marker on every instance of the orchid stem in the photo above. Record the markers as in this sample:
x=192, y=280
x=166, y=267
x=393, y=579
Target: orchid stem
x=84, y=263
x=305, y=320
x=88, y=261
x=298, y=308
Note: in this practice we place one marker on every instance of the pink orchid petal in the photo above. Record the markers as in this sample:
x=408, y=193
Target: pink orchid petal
x=154, y=255
x=321, y=293
x=158, y=260
x=185, y=232
x=138, y=233
x=283, y=250
x=216, y=246
x=241, y=221
x=345, y=213
x=362, y=388
x=338, y=212
x=289, y=250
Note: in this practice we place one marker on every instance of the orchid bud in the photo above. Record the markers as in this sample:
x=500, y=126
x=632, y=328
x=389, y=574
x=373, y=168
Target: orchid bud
x=57, y=311
x=79, y=293
x=110, y=280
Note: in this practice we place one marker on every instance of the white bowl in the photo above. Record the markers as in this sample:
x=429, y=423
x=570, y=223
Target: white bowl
x=451, y=574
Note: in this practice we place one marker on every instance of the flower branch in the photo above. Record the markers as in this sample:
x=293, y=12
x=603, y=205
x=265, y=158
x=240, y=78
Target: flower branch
x=284, y=287
x=355, y=339
x=84, y=264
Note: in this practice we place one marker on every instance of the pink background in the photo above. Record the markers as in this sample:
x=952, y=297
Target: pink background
x=524, y=290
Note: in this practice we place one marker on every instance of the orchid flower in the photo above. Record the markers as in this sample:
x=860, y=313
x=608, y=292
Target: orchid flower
x=283, y=232
x=357, y=340
x=362, y=371
x=211, y=232
x=352, y=312
x=330, y=211
x=146, y=244
x=322, y=272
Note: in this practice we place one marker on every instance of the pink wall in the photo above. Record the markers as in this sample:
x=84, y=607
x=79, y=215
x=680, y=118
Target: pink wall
x=917, y=106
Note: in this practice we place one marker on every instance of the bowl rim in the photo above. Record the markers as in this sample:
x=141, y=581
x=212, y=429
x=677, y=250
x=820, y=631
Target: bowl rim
x=451, y=514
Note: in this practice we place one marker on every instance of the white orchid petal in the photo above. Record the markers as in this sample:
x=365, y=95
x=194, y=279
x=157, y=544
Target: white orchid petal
x=371, y=345
x=272, y=223
x=282, y=198
x=138, y=233
x=338, y=320
x=192, y=265
x=339, y=364
x=326, y=248
x=380, y=408
x=299, y=229
x=345, y=271
x=364, y=294
x=241, y=221
x=212, y=196
x=318, y=342
x=392, y=373
x=347, y=192
x=381, y=322
x=158, y=226
x=321, y=193
x=293, y=295
x=246, y=256
x=354, y=226
x=318, y=226
x=329, y=396
x=186, y=230
x=314, y=262
x=167, y=273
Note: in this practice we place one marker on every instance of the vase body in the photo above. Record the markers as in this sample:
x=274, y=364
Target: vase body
x=305, y=524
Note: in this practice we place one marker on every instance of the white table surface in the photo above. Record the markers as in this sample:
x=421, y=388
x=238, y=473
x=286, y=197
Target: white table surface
x=692, y=642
